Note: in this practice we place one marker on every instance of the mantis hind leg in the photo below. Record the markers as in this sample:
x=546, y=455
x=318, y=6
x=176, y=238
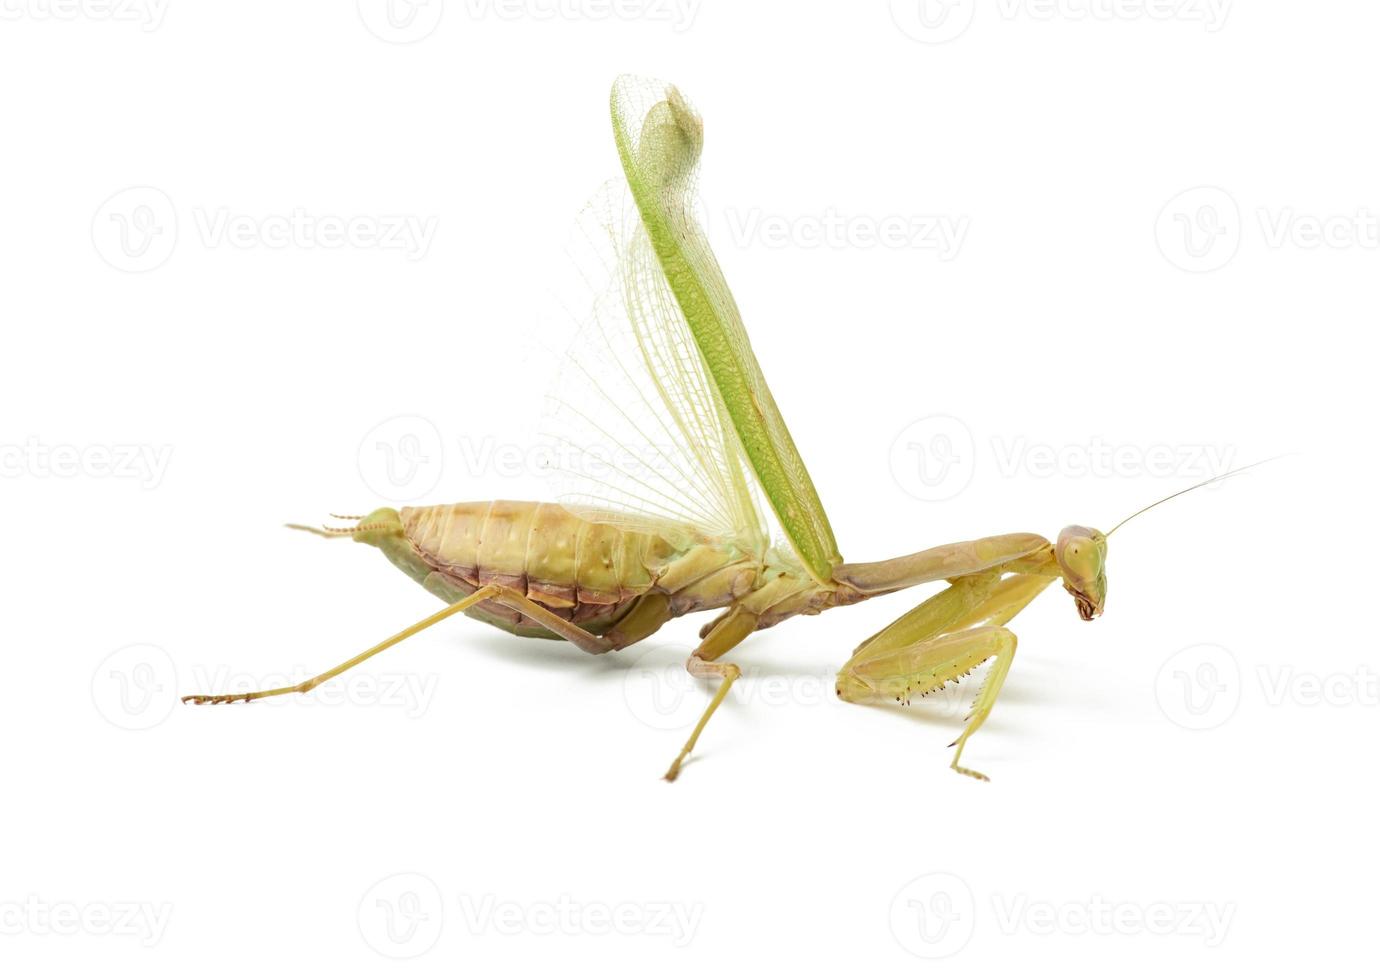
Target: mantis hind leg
x=498, y=593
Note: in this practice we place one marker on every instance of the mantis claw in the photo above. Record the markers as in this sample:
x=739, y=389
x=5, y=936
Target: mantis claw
x=971, y=772
x=214, y=698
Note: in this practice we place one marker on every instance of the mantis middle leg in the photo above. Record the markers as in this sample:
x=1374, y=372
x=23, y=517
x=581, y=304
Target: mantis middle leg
x=726, y=633
x=939, y=641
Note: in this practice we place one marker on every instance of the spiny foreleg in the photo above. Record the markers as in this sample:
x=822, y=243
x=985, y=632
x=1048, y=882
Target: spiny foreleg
x=940, y=641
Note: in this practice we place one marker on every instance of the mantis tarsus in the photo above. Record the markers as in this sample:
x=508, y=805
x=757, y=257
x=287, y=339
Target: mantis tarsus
x=685, y=529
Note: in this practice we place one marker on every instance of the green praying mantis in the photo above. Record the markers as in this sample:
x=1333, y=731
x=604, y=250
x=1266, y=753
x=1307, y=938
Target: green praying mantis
x=682, y=523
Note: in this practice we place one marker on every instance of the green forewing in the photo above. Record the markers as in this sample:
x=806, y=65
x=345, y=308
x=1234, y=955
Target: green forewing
x=659, y=138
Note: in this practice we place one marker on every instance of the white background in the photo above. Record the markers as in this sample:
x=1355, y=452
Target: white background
x=1183, y=785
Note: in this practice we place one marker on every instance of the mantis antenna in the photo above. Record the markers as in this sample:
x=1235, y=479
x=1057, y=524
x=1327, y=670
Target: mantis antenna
x=1197, y=486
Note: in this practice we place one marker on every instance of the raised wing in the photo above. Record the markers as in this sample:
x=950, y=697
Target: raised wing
x=639, y=435
x=659, y=137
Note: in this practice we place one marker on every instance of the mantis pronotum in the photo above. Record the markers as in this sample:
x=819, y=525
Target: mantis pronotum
x=685, y=529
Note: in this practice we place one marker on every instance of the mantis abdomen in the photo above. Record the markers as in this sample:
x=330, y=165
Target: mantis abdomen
x=592, y=574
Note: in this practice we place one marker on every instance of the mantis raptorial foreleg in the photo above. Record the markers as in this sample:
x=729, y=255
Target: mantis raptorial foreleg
x=498, y=593
x=941, y=640
x=727, y=632
x=925, y=646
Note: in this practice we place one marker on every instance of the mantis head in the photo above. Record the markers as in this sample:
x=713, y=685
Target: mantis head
x=1082, y=552
x=1082, y=556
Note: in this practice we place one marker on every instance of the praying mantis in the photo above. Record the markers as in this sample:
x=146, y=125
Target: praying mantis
x=683, y=522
